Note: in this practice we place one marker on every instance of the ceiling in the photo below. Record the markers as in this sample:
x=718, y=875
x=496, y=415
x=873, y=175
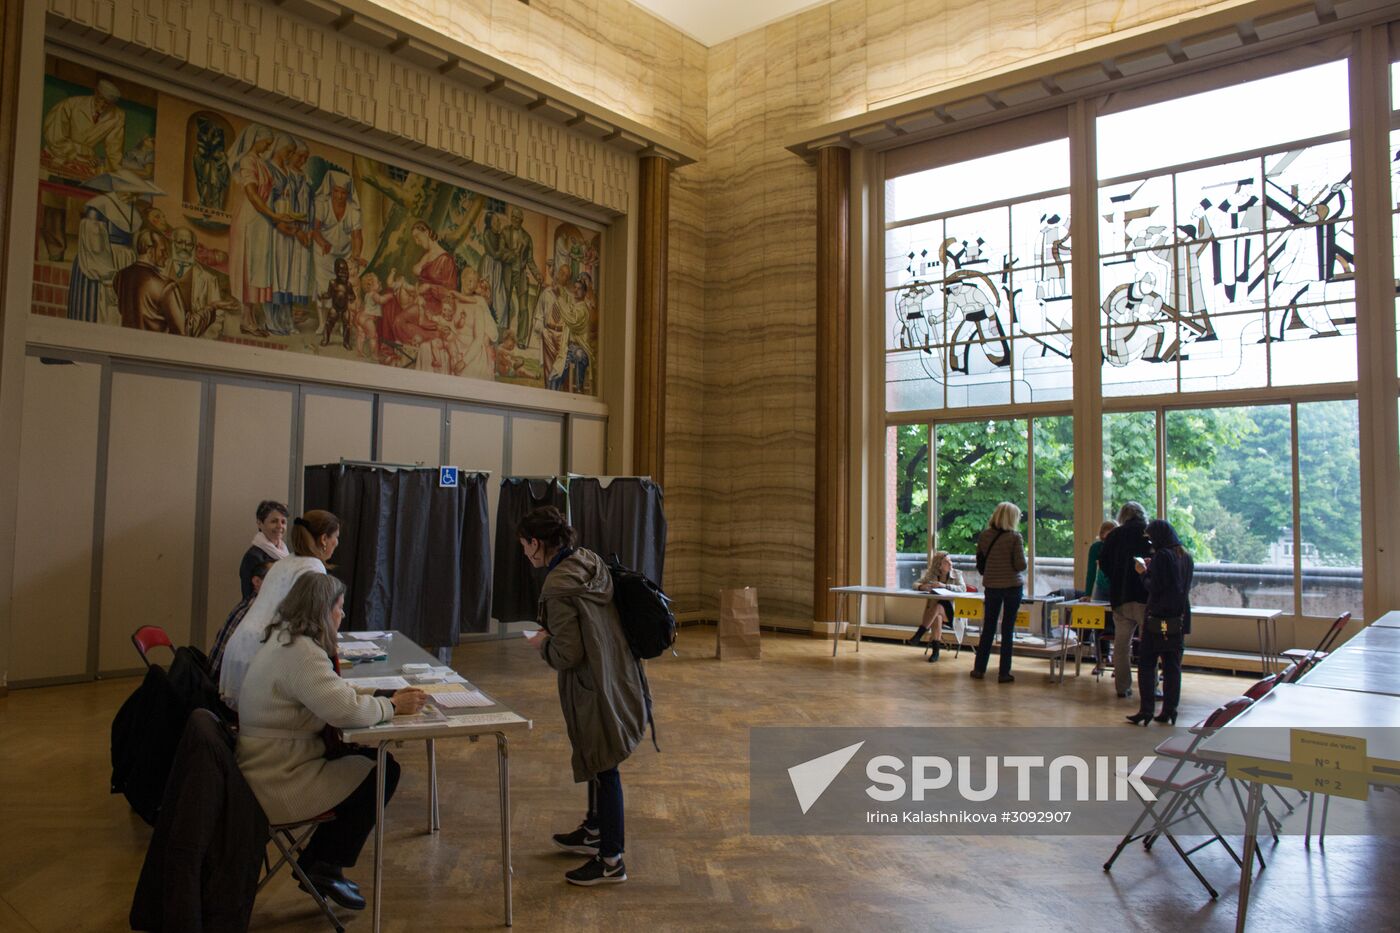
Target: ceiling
x=713, y=21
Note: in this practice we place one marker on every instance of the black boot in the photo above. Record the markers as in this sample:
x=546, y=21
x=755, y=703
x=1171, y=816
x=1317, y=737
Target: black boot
x=917, y=635
x=937, y=646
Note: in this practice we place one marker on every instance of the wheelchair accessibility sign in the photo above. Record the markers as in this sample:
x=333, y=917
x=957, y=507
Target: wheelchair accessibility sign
x=447, y=477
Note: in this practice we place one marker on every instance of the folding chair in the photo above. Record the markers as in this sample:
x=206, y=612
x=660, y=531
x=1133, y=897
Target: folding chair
x=1184, y=747
x=150, y=636
x=1307, y=658
x=1177, y=785
x=290, y=839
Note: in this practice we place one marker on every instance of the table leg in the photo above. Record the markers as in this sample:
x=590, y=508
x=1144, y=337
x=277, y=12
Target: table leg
x=503, y=769
x=842, y=600
x=860, y=618
x=1261, y=631
x=1251, y=829
x=1275, y=662
x=434, y=822
x=379, y=763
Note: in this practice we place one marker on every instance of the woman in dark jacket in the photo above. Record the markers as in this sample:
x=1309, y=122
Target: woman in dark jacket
x=268, y=544
x=600, y=685
x=1167, y=576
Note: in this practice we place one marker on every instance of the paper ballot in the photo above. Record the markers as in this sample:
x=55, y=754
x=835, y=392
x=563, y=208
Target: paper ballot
x=461, y=698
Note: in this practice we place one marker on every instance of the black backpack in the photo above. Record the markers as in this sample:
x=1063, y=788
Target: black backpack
x=647, y=619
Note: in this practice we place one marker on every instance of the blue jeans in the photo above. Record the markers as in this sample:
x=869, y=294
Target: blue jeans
x=1005, y=601
x=605, y=811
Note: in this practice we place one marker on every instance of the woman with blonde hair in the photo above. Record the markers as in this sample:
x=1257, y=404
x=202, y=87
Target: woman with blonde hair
x=291, y=694
x=1001, y=558
x=314, y=538
x=938, y=575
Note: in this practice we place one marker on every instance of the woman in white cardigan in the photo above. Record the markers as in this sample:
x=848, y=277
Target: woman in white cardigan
x=292, y=692
x=315, y=537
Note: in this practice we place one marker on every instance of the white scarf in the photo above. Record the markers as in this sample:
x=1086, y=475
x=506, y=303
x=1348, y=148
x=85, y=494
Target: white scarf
x=275, y=551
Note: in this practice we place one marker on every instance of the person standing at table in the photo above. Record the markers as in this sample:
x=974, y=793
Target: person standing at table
x=1096, y=588
x=1127, y=596
x=1167, y=575
x=315, y=537
x=292, y=692
x=268, y=544
x=600, y=685
x=1002, y=556
x=938, y=575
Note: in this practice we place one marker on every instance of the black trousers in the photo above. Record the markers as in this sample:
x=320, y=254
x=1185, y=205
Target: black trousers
x=1155, y=647
x=1006, y=602
x=339, y=842
x=605, y=812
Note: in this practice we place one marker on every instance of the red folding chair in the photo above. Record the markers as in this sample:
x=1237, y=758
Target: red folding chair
x=150, y=636
x=1305, y=658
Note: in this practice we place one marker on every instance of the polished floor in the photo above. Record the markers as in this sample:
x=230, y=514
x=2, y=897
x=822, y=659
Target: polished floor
x=72, y=851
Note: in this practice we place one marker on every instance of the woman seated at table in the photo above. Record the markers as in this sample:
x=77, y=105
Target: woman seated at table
x=292, y=692
x=315, y=537
x=938, y=575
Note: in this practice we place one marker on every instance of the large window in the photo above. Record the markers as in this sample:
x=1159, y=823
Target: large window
x=978, y=464
x=1234, y=267
x=1225, y=304
x=977, y=282
x=1230, y=495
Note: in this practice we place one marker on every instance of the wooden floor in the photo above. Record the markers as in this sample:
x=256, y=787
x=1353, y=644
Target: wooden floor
x=71, y=851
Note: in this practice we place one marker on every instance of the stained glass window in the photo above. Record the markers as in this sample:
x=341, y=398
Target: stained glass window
x=978, y=301
x=1238, y=273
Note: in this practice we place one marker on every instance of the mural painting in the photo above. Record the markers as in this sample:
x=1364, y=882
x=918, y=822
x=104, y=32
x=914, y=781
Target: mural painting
x=158, y=214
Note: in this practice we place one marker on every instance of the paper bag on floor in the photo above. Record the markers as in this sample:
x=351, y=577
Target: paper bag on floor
x=737, y=635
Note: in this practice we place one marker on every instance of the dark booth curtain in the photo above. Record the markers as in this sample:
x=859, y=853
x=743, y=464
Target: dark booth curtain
x=625, y=518
x=414, y=556
x=516, y=593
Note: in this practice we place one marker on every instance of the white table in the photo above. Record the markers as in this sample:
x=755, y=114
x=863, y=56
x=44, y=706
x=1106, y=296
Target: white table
x=469, y=723
x=1389, y=620
x=1262, y=731
x=860, y=592
x=1372, y=638
x=1265, y=624
x=1360, y=671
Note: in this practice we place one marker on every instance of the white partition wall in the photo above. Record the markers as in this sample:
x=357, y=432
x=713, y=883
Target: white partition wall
x=53, y=563
x=477, y=441
x=410, y=432
x=140, y=487
x=252, y=437
x=335, y=426
x=588, y=446
x=536, y=445
x=148, y=539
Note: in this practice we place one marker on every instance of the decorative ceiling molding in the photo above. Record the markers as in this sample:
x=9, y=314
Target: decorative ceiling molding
x=1194, y=45
x=401, y=37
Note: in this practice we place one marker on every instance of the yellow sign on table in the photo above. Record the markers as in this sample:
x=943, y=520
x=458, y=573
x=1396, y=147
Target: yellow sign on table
x=1301, y=777
x=1023, y=619
x=967, y=608
x=1086, y=616
x=1327, y=752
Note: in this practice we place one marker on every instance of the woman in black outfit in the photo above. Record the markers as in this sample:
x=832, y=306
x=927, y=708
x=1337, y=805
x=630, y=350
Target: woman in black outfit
x=268, y=544
x=1167, y=575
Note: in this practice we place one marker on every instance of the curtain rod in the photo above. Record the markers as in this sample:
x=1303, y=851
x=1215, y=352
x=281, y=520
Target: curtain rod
x=384, y=464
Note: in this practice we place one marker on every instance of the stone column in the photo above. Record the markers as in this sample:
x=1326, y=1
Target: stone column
x=830, y=546
x=653, y=220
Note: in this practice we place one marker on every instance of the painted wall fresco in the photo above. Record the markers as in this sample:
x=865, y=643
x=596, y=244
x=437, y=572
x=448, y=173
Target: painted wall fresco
x=160, y=214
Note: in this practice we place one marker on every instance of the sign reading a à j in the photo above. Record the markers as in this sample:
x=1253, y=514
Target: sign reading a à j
x=447, y=477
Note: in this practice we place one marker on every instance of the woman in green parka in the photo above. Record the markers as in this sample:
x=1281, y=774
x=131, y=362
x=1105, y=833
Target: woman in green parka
x=600, y=685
